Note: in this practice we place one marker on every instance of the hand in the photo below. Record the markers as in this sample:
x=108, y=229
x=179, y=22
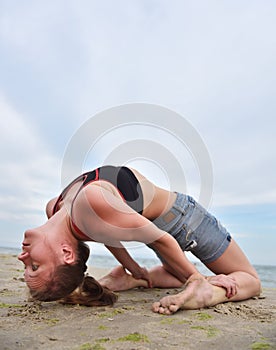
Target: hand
x=144, y=275
x=227, y=282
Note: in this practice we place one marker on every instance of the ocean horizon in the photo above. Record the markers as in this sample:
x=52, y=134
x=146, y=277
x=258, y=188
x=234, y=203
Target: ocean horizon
x=267, y=273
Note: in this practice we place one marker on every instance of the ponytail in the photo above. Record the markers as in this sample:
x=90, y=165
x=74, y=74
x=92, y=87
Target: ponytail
x=90, y=293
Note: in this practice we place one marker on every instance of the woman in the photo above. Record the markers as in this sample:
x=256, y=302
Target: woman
x=114, y=204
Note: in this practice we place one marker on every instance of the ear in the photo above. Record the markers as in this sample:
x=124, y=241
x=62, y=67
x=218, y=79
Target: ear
x=68, y=254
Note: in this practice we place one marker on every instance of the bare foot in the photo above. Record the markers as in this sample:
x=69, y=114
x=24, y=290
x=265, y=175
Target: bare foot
x=118, y=279
x=197, y=294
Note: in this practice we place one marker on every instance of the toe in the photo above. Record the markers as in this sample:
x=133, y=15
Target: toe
x=173, y=308
x=155, y=306
x=167, y=311
x=162, y=310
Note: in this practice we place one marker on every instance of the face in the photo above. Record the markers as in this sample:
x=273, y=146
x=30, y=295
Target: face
x=39, y=257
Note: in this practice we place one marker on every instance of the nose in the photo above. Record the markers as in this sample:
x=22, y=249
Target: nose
x=28, y=237
x=28, y=234
x=31, y=235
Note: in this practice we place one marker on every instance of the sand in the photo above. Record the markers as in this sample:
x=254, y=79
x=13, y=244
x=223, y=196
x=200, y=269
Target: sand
x=130, y=323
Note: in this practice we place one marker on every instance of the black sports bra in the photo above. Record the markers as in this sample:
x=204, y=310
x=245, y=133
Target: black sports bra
x=121, y=177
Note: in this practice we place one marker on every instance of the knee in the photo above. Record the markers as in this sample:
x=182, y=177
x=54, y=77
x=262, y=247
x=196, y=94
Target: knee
x=258, y=286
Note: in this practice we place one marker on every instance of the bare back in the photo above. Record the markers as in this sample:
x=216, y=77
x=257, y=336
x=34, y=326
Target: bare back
x=157, y=201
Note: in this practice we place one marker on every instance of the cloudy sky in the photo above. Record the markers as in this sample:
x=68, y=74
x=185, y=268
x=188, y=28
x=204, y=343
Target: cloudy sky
x=212, y=62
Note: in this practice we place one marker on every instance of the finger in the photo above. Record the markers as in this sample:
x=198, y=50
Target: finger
x=233, y=291
x=228, y=293
x=229, y=290
x=149, y=283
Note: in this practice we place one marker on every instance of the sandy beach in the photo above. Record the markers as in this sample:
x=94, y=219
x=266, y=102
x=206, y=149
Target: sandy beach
x=130, y=323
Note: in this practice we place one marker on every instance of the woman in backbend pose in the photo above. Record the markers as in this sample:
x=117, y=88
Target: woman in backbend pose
x=115, y=204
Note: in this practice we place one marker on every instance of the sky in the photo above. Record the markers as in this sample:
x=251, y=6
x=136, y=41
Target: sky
x=212, y=62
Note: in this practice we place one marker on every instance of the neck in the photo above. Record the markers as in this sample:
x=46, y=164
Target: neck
x=59, y=225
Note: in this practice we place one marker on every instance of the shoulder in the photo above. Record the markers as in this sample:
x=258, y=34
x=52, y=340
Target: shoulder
x=100, y=201
x=97, y=204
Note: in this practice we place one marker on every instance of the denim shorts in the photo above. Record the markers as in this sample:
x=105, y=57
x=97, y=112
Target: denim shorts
x=188, y=221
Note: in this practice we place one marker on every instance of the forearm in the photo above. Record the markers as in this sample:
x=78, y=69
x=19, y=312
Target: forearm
x=175, y=258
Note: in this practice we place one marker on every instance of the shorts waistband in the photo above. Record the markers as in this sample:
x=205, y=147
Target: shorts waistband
x=171, y=217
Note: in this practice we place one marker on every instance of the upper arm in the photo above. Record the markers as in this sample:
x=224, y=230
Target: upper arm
x=108, y=219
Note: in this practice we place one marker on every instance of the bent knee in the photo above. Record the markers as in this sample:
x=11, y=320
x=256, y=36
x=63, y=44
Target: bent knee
x=255, y=286
x=258, y=287
x=257, y=282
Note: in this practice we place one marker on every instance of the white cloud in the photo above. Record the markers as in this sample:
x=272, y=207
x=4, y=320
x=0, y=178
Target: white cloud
x=30, y=28
x=211, y=62
x=29, y=172
x=217, y=73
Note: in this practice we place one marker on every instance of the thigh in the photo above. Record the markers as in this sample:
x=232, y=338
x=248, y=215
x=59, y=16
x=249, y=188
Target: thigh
x=232, y=260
